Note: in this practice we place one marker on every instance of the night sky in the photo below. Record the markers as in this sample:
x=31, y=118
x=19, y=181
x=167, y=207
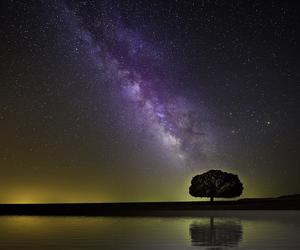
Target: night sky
x=128, y=100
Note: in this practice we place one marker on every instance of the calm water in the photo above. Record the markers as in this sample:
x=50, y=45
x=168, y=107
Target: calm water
x=214, y=230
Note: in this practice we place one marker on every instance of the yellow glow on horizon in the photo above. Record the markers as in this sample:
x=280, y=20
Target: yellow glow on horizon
x=51, y=196
x=66, y=194
x=25, y=199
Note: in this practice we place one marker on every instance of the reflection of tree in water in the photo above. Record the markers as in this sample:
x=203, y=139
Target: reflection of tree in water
x=216, y=234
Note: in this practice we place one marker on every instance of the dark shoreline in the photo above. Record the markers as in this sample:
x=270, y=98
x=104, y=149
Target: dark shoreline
x=148, y=208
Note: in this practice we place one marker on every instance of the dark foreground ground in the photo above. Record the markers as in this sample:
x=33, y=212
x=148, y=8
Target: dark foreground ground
x=150, y=208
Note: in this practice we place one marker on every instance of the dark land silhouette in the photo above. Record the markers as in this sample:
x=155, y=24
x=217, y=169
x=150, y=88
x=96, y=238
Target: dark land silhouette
x=290, y=202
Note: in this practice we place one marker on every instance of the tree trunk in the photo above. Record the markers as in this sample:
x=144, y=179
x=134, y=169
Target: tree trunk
x=211, y=223
x=211, y=199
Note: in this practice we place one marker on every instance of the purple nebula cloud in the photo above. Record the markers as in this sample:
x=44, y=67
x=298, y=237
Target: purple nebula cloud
x=136, y=72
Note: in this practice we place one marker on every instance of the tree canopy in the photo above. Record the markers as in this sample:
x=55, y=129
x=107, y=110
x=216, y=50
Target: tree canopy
x=216, y=183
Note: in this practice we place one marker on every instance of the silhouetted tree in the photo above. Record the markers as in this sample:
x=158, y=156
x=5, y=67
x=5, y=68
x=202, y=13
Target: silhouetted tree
x=216, y=183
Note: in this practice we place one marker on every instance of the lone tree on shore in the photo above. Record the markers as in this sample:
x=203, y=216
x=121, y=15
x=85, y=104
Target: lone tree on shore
x=216, y=183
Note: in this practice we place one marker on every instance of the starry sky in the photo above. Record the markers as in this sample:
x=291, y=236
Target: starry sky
x=127, y=100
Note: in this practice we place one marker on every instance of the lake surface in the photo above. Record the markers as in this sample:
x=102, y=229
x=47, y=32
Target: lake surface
x=204, y=230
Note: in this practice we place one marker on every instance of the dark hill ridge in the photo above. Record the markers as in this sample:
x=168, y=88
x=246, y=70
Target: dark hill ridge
x=292, y=196
x=150, y=208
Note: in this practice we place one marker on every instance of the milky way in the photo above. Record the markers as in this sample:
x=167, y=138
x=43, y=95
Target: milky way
x=136, y=72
